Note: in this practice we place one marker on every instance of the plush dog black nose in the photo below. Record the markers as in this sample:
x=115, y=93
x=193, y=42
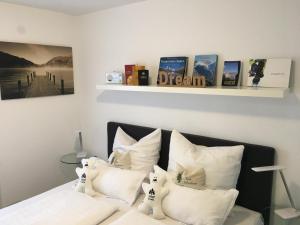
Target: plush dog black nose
x=152, y=192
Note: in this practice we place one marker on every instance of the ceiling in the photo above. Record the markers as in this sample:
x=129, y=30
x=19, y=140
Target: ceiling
x=73, y=7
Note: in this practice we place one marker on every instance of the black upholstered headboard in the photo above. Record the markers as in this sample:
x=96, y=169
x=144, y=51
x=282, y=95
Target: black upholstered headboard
x=255, y=189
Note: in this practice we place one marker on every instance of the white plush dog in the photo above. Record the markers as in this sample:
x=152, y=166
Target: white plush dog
x=86, y=175
x=154, y=192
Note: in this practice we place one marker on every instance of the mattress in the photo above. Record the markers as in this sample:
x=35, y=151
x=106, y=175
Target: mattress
x=238, y=215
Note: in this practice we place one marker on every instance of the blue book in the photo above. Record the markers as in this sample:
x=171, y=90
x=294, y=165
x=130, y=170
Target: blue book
x=206, y=65
x=170, y=68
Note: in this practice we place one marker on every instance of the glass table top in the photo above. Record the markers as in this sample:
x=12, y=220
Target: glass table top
x=72, y=158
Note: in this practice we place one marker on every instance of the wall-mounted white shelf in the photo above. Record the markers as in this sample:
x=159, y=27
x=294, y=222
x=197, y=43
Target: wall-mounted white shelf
x=223, y=91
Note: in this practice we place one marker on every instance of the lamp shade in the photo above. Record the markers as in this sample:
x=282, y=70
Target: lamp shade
x=267, y=168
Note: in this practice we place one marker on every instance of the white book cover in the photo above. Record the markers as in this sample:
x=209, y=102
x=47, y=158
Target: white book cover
x=269, y=72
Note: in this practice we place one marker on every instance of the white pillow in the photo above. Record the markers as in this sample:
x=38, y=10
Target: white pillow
x=197, y=207
x=118, y=183
x=200, y=207
x=122, y=139
x=144, y=154
x=222, y=165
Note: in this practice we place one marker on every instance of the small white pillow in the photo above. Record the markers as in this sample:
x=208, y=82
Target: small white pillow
x=144, y=154
x=197, y=207
x=222, y=165
x=119, y=183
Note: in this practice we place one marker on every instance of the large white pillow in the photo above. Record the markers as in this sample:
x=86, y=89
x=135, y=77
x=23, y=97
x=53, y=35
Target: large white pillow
x=144, y=154
x=197, y=207
x=222, y=165
x=118, y=183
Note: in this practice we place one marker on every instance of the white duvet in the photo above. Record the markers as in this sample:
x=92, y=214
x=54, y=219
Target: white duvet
x=64, y=207
x=78, y=211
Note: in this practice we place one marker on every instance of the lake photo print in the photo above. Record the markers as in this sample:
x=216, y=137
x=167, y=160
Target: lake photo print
x=33, y=70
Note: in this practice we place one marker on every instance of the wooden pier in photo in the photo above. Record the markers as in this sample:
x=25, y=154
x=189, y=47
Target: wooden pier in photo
x=41, y=85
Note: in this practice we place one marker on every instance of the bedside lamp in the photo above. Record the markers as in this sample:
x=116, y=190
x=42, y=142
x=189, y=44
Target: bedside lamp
x=81, y=153
x=287, y=213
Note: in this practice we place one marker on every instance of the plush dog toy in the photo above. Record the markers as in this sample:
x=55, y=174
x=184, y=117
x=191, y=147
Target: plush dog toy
x=154, y=192
x=86, y=174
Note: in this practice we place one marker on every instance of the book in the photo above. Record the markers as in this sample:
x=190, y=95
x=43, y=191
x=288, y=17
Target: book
x=135, y=76
x=206, y=65
x=131, y=74
x=231, y=73
x=269, y=72
x=143, y=77
x=170, y=68
x=129, y=70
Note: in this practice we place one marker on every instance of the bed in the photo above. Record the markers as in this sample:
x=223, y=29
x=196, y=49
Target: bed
x=252, y=205
x=255, y=188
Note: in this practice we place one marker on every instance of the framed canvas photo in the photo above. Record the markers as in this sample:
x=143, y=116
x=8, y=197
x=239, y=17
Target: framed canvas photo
x=33, y=70
x=206, y=65
x=269, y=72
x=231, y=73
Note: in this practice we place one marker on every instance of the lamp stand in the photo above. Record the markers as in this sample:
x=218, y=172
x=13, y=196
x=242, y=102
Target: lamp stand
x=287, y=213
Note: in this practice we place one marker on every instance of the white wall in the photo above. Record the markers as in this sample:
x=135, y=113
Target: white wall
x=141, y=33
x=35, y=132
x=234, y=29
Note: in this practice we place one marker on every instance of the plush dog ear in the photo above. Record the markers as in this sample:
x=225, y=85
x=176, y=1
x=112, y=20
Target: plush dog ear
x=79, y=171
x=146, y=187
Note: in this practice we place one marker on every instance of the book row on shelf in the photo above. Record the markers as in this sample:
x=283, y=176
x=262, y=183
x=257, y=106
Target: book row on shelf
x=272, y=72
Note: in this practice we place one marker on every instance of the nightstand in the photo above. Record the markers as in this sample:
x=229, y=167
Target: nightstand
x=71, y=158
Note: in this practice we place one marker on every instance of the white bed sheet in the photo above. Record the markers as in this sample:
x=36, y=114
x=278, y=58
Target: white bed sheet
x=238, y=215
